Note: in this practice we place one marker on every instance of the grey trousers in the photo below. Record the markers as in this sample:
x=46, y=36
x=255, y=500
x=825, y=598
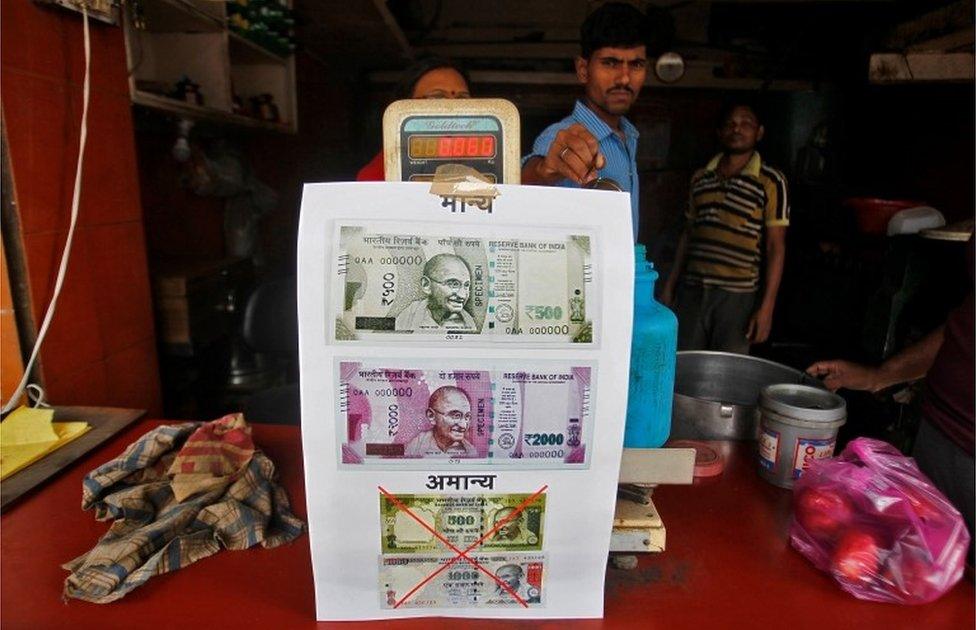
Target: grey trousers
x=710, y=318
x=950, y=468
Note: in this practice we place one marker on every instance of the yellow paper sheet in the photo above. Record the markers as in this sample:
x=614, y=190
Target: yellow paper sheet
x=28, y=434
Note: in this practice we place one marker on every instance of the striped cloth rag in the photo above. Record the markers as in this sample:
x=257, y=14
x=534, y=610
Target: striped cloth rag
x=178, y=494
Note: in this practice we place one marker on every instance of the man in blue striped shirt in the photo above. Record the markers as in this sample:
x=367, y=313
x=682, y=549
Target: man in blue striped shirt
x=596, y=140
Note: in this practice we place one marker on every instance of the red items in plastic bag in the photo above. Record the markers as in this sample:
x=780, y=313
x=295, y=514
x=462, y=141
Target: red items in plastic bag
x=872, y=520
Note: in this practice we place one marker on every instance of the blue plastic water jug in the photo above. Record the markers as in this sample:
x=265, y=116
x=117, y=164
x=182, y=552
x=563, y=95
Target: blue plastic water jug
x=652, y=356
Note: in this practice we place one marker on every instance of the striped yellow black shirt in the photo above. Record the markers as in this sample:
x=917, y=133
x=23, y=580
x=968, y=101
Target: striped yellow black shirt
x=726, y=220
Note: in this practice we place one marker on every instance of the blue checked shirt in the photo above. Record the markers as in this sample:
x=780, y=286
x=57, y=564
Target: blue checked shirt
x=621, y=155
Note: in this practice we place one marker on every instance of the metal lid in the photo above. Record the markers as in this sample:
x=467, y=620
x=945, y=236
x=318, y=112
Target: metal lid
x=803, y=402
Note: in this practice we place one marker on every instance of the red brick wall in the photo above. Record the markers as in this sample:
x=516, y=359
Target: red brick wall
x=100, y=349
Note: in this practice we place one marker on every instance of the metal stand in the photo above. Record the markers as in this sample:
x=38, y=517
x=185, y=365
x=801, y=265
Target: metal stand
x=637, y=526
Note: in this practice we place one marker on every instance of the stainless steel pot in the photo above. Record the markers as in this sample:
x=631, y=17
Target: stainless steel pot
x=716, y=394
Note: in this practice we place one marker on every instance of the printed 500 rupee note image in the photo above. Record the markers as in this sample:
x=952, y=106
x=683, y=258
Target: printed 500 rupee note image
x=462, y=520
x=411, y=283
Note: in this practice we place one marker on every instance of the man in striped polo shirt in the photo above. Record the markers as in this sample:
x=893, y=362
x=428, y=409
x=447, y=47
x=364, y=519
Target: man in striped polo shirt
x=737, y=214
x=596, y=140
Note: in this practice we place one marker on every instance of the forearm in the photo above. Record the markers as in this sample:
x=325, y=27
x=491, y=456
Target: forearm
x=532, y=175
x=775, y=259
x=911, y=363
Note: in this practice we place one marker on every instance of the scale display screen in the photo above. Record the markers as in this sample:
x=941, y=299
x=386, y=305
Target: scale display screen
x=447, y=147
x=419, y=136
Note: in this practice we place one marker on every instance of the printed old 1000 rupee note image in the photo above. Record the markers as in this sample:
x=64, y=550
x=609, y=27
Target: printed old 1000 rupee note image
x=462, y=585
x=420, y=282
x=427, y=415
x=462, y=520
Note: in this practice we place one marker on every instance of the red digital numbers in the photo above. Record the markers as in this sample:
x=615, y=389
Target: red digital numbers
x=487, y=146
x=441, y=147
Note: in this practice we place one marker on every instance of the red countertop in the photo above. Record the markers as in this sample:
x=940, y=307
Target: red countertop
x=728, y=563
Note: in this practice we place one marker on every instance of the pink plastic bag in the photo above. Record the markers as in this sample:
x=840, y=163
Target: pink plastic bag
x=872, y=520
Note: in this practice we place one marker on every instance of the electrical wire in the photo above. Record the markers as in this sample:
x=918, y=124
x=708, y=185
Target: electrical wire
x=35, y=393
x=75, y=198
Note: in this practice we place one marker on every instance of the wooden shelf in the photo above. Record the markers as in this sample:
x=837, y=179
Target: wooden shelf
x=191, y=39
x=244, y=51
x=202, y=112
x=105, y=422
x=179, y=16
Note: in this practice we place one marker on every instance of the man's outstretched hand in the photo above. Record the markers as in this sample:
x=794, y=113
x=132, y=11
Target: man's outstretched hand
x=839, y=374
x=574, y=155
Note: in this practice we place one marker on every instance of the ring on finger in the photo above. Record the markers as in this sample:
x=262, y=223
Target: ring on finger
x=562, y=154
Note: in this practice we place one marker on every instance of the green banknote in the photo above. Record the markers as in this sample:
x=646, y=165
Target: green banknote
x=410, y=520
x=501, y=580
x=410, y=283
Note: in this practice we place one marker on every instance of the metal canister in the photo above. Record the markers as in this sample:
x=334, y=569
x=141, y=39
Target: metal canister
x=797, y=424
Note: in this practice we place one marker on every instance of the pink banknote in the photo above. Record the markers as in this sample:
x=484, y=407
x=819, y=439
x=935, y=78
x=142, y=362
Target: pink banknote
x=499, y=417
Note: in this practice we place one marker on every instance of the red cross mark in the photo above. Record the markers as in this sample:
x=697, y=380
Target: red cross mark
x=464, y=554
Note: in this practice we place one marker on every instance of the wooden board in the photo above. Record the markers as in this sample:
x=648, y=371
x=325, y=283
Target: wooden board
x=637, y=528
x=630, y=514
x=105, y=422
x=925, y=66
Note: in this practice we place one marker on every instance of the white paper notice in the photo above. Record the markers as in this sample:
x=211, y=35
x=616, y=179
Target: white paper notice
x=464, y=374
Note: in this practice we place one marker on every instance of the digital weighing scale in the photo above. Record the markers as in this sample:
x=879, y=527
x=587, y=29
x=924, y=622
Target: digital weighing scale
x=419, y=135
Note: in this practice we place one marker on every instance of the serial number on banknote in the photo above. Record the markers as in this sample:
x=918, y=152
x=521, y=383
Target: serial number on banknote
x=409, y=284
x=416, y=418
x=415, y=523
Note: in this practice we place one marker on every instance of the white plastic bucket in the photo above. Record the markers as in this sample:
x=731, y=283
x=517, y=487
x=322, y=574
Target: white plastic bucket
x=797, y=424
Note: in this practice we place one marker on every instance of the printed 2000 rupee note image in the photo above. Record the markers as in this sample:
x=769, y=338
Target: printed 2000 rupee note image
x=428, y=415
x=420, y=282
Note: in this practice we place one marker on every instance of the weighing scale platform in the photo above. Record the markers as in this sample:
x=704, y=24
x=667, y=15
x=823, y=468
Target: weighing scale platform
x=637, y=526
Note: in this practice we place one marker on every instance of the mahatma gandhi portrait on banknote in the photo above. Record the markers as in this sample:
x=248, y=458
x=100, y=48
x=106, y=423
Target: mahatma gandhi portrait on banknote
x=514, y=578
x=446, y=285
x=449, y=414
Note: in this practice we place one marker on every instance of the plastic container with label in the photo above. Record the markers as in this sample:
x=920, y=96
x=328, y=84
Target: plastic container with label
x=797, y=424
x=652, y=356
